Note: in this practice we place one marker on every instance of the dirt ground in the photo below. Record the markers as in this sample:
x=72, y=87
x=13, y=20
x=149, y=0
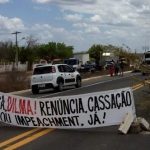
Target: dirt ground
x=14, y=81
x=142, y=103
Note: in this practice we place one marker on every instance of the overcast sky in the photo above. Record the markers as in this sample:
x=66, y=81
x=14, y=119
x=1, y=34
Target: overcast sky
x=80, y=23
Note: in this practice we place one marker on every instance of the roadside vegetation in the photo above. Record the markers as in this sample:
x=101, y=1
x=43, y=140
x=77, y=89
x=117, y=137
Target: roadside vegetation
x=14, y=81
x=32, y=52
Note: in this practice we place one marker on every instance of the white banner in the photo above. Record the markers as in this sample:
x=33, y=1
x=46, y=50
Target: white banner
x=77, y=111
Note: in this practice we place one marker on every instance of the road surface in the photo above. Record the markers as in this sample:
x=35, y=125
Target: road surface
x=104, y=138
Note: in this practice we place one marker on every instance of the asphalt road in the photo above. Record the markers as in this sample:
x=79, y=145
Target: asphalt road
x=93, y=84
x=104, y=138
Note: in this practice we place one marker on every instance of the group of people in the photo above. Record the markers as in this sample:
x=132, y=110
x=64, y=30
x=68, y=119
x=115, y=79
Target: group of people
x=116, y=68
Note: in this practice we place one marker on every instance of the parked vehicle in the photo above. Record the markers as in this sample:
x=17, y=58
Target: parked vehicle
x=87, y=68
x=82, y=57
x=145, y=66
x=73, y=62
x=54, y=76
x=77, y=60
x=107, y=64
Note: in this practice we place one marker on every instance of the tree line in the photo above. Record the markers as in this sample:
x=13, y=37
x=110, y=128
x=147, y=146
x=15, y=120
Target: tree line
x=33, y=51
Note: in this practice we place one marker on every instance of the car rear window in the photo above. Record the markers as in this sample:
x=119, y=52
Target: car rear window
x=43, y=70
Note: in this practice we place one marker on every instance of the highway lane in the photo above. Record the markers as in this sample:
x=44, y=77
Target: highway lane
x=103, y=83
x=98, y=138
x=86, y=83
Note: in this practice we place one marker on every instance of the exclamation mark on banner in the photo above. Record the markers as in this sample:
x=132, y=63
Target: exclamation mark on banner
x=35, y=107
x=104, y=116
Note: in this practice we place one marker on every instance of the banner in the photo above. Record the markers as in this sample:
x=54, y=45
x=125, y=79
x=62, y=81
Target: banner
x=77, y=111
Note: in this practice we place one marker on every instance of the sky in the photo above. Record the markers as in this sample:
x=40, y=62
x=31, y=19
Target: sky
x=78, y=23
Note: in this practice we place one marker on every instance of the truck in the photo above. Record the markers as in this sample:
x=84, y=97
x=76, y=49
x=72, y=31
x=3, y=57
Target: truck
x=145, y=66
x=78, y=60
x=82, y=57
x=73, y=62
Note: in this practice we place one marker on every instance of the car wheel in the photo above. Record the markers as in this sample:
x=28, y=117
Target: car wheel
x=35, y=90
x=60, y=86
x=78, y=83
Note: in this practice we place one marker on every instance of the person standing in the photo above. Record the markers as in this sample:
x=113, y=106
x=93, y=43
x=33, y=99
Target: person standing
x=111, y=68
x=121, y=67
x=117, y=68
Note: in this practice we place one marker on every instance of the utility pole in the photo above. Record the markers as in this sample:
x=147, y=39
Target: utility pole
x=16, y=55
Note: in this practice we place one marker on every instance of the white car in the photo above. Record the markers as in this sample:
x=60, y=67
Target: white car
x=54, y=76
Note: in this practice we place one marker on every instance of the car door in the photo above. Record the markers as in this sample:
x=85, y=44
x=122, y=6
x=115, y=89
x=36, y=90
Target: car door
x=61, y=71
x=69, y=75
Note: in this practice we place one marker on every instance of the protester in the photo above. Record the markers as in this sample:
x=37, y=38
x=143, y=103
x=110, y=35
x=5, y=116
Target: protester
x=111, y=68
x=117, y=68
x=121, y=67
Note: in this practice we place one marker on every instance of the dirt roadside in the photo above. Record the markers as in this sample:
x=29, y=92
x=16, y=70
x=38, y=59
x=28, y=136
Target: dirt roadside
x=17, y=81
x=142, y=103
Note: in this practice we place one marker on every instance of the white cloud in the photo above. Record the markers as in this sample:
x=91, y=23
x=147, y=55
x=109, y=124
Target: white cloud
x=114, y=12
x=4, y=1
x=46, y=33
x=73, y=17
x=87, y=28
x=11, y=24
x=92, y=30
x=96, y=18
x=123, y=12
x=109, y=12
x=116, y=20
x=80, y=25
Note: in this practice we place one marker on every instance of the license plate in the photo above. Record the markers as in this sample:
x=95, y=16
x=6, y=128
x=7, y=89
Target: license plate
x=41, y=85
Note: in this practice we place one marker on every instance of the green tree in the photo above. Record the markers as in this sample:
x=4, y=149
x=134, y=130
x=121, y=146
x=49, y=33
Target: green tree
x=54, y=50
x=129, y=56
x=96, y=52
x=49, y=51
x=64, y=51
x=7, y=51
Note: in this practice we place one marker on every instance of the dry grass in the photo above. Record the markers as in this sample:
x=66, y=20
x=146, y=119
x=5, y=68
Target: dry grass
x=14, y=81
x=93, y=74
